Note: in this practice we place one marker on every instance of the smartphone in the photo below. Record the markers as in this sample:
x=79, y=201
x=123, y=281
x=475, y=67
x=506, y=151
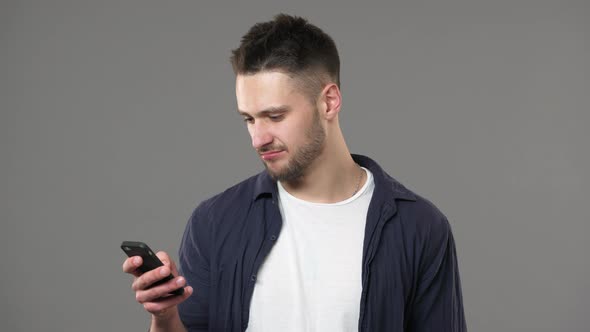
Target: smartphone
x=150, y=261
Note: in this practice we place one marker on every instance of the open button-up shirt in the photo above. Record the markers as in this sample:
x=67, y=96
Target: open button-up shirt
x=410, y=277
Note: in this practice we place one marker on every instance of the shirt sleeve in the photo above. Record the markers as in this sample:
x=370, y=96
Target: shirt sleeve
x=438, y=304
x=194, y=266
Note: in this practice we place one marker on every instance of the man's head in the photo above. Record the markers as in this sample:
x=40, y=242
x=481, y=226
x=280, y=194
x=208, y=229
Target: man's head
x=293, y=46
x=287, y=78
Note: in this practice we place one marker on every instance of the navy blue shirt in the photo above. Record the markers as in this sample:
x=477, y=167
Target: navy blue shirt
x=410, y=278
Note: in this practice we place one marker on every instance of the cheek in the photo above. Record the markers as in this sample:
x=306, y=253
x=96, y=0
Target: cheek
x=293, y=135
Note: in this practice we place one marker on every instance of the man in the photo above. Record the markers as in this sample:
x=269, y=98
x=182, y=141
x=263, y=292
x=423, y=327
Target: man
x=321, y=240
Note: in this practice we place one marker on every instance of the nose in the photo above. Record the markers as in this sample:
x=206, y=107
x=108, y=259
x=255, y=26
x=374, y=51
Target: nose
x=260, y=135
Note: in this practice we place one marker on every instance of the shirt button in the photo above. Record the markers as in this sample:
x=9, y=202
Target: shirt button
x=273, y=238
x=253, y=278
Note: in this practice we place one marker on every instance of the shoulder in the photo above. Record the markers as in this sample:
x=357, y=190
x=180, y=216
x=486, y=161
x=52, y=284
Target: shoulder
x=422, y=212
x=236, y=197
x=216, y=212
x=425, y=226
x=415, y=212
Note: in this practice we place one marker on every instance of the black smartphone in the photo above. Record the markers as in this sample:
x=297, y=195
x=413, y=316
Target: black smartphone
x=150, y=261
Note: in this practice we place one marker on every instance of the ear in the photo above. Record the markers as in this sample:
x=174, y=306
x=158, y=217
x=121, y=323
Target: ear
x=330, y=101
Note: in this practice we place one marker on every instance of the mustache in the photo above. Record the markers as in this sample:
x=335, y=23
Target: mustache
x=268, y=148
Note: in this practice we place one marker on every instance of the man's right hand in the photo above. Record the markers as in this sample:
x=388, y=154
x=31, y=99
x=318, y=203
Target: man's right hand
x=157, y=300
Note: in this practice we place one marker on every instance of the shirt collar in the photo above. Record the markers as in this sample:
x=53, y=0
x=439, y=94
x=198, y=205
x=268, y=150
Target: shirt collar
x=385, y=185
x=264, y=184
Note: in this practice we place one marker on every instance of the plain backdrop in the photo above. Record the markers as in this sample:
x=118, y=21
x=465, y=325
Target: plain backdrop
x=119, y=117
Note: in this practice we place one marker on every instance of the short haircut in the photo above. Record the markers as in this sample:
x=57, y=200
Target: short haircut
x=292, y=45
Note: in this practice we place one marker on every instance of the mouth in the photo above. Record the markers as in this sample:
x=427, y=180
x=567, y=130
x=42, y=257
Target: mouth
x=270, y=155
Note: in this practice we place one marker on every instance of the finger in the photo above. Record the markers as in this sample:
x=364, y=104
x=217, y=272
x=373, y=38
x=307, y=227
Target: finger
x=167, y=261
x=163, y=256
x=160, y=291
x=162, y=304
x=150, y=277
x=131, y=264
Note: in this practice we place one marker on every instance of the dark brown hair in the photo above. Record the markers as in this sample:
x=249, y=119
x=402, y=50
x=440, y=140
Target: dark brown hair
x=292, y=45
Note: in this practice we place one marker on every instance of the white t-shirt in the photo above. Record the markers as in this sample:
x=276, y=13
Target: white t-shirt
x=311, y=280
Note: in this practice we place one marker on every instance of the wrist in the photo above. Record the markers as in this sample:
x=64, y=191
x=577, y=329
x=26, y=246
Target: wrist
x=164, y=320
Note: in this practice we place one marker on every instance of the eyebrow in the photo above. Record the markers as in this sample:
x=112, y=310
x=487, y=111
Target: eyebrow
x=267, y=111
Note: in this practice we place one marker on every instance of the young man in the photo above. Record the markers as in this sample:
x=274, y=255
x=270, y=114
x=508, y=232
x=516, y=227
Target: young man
x=321, y=240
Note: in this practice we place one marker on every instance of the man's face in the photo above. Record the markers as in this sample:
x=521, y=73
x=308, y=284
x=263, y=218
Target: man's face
x=284, y=125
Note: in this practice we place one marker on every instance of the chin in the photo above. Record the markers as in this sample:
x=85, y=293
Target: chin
x=284, y=174
x=275, y=173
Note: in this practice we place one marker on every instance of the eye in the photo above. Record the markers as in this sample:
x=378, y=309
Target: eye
x=276, y=117
x=249, y=120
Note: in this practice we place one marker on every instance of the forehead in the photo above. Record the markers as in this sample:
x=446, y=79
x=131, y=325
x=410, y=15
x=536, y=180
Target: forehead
x=266, y=89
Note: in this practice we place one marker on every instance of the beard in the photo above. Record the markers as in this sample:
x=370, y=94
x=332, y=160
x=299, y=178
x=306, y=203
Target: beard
x=304, y=156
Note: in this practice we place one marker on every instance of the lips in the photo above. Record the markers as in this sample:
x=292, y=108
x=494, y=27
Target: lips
x=270, y=155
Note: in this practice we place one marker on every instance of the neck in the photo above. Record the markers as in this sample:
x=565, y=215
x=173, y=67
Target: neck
x=331, y=178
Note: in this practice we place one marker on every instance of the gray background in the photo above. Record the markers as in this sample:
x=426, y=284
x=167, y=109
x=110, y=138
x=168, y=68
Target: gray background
x=118, y=117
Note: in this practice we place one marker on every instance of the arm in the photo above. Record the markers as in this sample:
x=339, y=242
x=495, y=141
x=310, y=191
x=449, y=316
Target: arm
x=194, y=265
x=438, y=304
